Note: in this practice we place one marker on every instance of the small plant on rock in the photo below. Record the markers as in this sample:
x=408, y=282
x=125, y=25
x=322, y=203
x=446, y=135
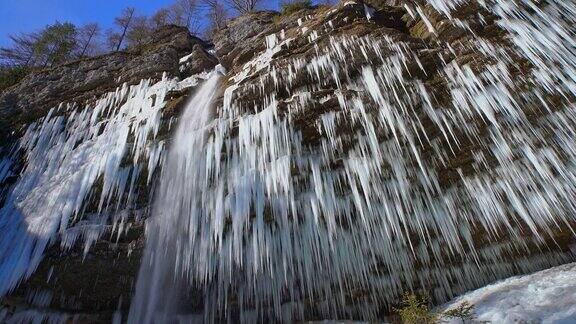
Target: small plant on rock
x=295, y=5
x=10, y=75
x=416, y=310
x=464, y=312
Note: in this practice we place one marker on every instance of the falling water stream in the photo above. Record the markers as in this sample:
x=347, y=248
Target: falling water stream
x=177, y=208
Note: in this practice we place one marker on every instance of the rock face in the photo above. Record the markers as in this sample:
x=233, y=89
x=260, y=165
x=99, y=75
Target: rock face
x=323, y=74
x=242, y=38
x=398, y=145
x=86, y=287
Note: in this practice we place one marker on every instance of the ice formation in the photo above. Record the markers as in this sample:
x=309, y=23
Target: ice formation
x=280, y=226
x=38, y=314
x=283, y=207
x=81, y=170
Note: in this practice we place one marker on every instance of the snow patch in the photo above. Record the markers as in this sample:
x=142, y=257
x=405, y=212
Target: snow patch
x=547, y=296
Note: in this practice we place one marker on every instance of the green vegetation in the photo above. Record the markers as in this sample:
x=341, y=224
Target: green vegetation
x=296, y=5
x=56, y=43
x=464, y=312
x=10, y=75
x=61, y=42
x=53, y=45
x=416, y=310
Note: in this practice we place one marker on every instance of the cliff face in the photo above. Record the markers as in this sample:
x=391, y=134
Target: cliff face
x=380, y=147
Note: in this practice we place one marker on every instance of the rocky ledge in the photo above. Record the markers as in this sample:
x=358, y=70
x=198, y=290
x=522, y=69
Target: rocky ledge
x=87, y=79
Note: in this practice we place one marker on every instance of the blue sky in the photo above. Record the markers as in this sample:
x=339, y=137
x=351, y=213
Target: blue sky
x=29, y=15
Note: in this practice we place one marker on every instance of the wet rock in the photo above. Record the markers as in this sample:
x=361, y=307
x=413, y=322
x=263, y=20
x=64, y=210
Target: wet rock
x=198, y=61
x=92, y=286
x=236, y=40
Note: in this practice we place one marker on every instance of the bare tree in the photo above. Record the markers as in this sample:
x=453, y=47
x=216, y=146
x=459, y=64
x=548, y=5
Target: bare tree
x=243, y=6
x=209, y=3
x=112, y=39
x=185, y=13
x=217, y=16
x=138, y=31
x=189, y=9
x=124, y=22
x=23, y=50
x=87, y=35
x=160, y=18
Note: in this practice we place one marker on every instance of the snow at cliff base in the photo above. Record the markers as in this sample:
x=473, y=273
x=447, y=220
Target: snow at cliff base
x=547, y=296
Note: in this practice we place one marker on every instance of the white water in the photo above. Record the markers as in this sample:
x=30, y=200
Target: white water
x=176, y=212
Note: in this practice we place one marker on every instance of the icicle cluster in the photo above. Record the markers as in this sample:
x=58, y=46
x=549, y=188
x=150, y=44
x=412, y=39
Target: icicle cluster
x=38, y=313
x=81, y=170
x=274, y=222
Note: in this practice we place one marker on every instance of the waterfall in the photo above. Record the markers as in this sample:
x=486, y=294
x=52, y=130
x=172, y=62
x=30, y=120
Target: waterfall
x=176, y=212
